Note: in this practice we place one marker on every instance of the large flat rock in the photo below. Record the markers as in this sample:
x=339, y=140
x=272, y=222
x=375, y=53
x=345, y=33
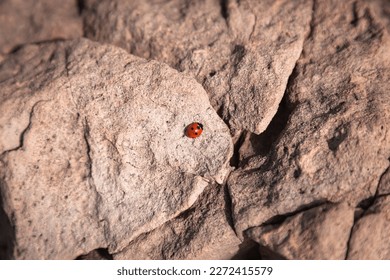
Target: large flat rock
x=93, y=151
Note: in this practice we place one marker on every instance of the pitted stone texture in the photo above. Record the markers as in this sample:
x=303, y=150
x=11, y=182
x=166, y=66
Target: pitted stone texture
x=93, y=149
x=202, y=232
x=318, y=233
x=335, y=143
x=384, y=183
x=242, y=52
x=24, y=22
x=370, y=236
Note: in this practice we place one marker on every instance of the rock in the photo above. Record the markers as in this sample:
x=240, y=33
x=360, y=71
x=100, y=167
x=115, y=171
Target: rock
x=381, y=8
x=202, y=232
x=241, y=52
x=370, y=236
x=334, y=145
x=34, y=21
x=318, y=233
x=93, y=138
x=384, y=183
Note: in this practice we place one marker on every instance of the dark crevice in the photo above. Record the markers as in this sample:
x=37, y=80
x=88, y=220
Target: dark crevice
x=7, y=232
x=366, y=203
x=279, y=219
x=67, y=61
x=224, y=9
x=349, y=240
x=263, y=143
x=88, y=146
x=355, y=16
x=235, y=160
x=229, y=208
x=364, y=207
x=268, y=254
x=248, y=250
x=80, y=6
x=16, y=48
x=97, y=254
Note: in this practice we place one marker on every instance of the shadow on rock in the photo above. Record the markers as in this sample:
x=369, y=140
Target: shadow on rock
x=7, y=234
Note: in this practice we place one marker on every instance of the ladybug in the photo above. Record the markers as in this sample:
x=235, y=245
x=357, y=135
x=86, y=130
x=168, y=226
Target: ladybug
x=194, y=130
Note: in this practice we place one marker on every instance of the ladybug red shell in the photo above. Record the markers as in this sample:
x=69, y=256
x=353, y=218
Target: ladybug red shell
x=194, y=130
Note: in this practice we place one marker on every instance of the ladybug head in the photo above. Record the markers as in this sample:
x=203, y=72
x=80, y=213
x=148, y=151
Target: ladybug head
x=200, y=126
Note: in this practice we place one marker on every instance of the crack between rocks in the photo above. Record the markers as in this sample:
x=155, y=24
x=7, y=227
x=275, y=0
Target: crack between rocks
x=235, y=159
x=25, y=131
x=366, y=204
x=67, y=62
x=224, y=10
x=80, y=6
x=96, y=254
x=229, y=208
x=280, y=218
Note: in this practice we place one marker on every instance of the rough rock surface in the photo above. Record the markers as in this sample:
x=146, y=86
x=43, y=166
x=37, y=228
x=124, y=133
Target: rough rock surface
x=23, y=22
x=242, y=52
x=94, y=163
x=93, y=138
x=384, y=184
x=202, y=232
x=318, y=233
x=370, y=236
x=334, y=145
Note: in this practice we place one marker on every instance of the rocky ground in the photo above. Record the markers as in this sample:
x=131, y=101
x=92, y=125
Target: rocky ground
x=293, y=162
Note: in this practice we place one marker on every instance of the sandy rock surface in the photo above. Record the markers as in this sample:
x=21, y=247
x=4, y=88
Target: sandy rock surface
x=318, y=233
x=335, y=143
x=35, y=21
x=373, y=226
x=202, y=232
x=293, y=162
x=93, y=138
x=243, y=54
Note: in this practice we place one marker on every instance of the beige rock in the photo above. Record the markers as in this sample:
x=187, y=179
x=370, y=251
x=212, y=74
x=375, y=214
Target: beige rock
x=40, y=20
x=242, y=52
x=382, y=11
x=384, y=183
x=202, y=232
x=335, y=144
x=93, y=151
x=370, y=238
x=318, y=233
